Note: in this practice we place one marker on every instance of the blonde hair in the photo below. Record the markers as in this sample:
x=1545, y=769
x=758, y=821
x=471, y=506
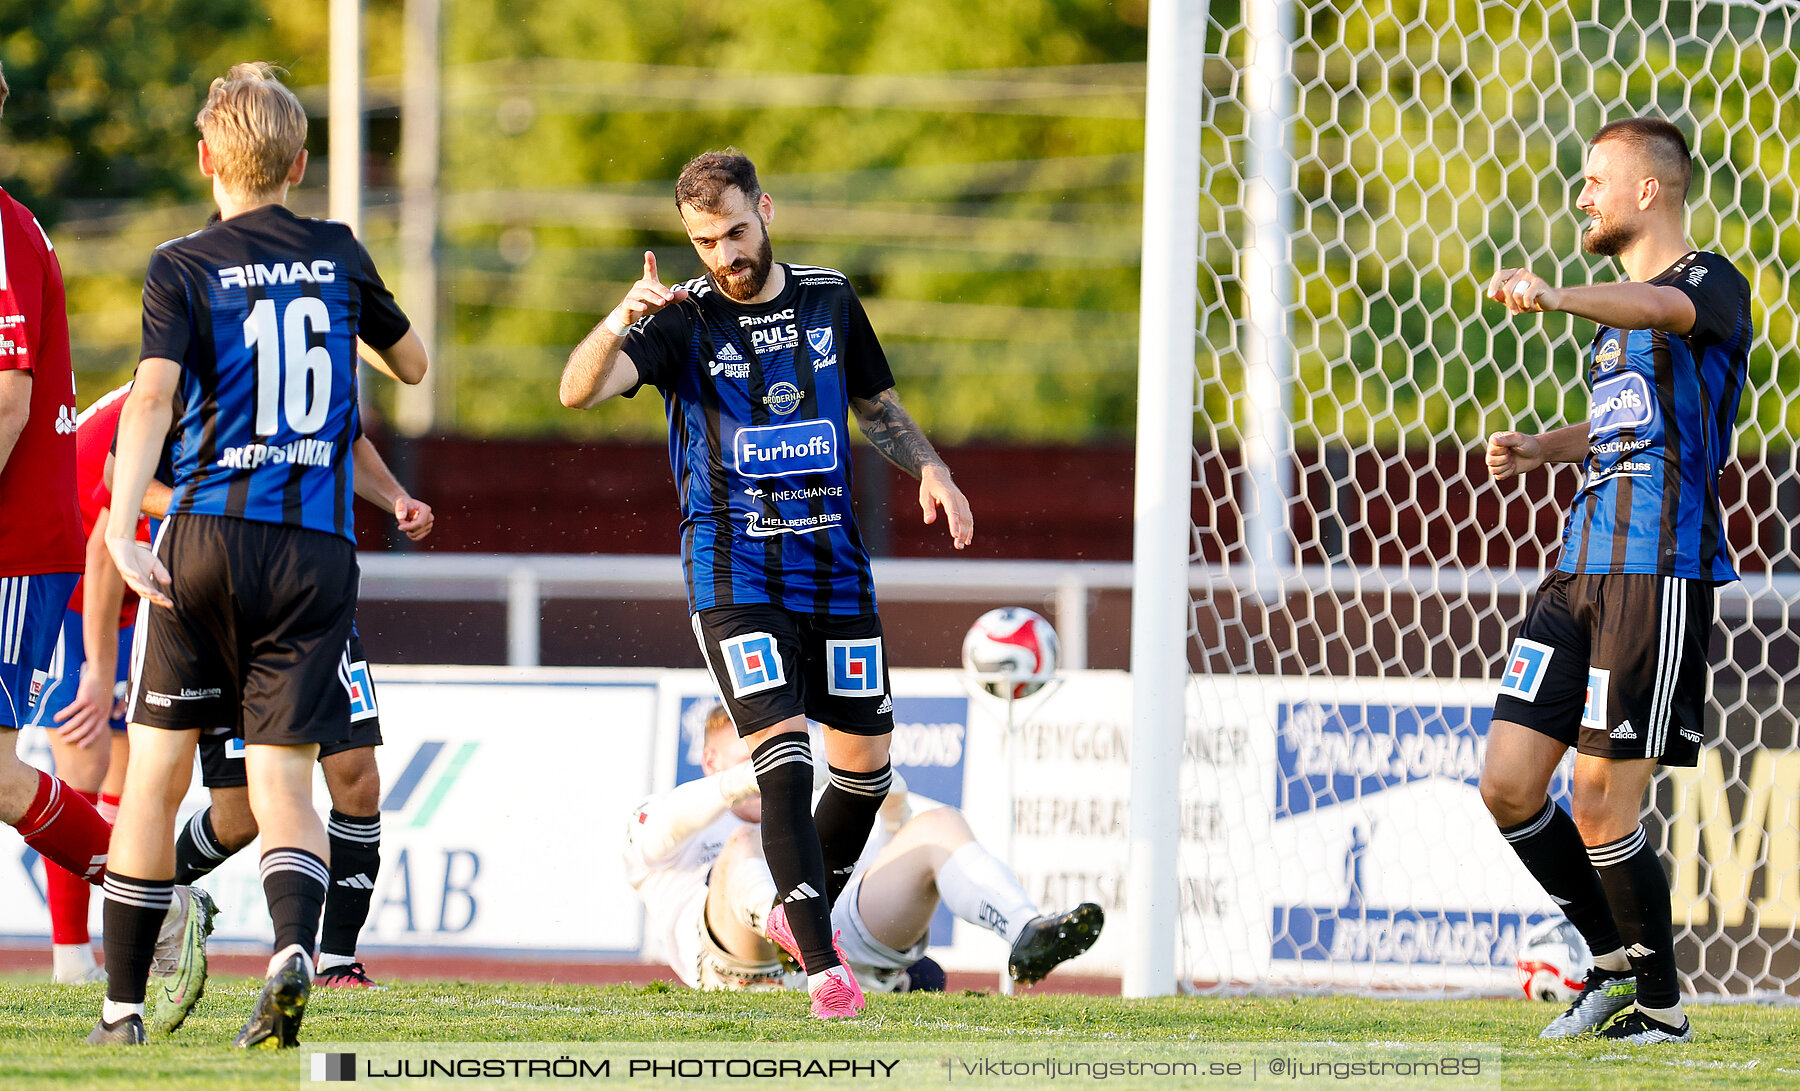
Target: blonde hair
x=254, y=127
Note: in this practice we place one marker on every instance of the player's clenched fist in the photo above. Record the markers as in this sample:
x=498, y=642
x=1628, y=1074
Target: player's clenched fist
x=1522, y=290
x=646, y=297
x=1510, y=454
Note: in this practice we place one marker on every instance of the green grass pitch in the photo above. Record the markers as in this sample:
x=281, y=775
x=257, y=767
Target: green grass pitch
x=41, y=1027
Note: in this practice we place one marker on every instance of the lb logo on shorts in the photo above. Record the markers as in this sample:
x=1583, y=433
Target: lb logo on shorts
x=753, y=663
x=855, y=668
x=1593, y=707
x=362, y=694
x=1525, y=670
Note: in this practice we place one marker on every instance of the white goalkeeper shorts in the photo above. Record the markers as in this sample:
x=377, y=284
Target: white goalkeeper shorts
x=876, y=965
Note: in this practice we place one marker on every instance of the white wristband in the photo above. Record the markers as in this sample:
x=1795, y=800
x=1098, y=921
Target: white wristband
x=619, y=330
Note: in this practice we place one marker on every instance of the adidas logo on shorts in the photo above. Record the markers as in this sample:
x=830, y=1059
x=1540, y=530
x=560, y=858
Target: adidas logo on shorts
x=886, y=706
x=1624, y=731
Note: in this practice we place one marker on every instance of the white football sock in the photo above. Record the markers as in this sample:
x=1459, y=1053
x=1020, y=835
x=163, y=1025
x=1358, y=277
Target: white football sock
x=1613, y=962
x=332, y=962
x=112, y=1011
x=285, y=953
x=70, y=960
x=978, y=888
x=1667, y=1016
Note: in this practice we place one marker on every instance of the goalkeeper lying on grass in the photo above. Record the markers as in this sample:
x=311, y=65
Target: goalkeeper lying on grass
x=695, y=856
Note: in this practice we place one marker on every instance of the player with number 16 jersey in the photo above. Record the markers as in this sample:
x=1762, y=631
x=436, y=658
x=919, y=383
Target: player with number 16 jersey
x=250, y=328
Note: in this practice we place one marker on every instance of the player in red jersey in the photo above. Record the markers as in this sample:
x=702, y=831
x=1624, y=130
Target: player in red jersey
x=40, y=537
x=84, y=695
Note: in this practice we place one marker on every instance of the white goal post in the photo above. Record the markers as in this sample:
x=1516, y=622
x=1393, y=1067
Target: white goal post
x=1328, y=185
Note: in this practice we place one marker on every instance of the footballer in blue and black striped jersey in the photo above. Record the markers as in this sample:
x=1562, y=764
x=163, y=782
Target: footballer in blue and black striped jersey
x=761, y=367
x=758, y=399
x=1611, y=657
x=262, y=312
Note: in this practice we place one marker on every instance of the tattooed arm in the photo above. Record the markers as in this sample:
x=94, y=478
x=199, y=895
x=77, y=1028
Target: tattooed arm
x=892, y=431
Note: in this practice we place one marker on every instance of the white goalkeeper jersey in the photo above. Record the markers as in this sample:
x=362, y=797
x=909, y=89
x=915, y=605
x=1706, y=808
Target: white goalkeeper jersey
x=673, y=885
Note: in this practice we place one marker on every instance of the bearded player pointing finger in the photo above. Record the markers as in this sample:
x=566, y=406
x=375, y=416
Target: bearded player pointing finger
x=759, y=363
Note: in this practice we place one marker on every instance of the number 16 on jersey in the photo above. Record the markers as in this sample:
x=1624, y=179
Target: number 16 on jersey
x=299, y=335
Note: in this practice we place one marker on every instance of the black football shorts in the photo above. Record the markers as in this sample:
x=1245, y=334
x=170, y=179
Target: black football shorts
x=771, y=664
x=1614, y=665
x=258, y=639
x=222, y=752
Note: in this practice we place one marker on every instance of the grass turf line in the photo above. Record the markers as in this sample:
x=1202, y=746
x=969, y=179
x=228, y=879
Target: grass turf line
x=41, y=1027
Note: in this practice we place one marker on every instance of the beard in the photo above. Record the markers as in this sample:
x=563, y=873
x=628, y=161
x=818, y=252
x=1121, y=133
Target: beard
x=744, y=279
x=1608, y=240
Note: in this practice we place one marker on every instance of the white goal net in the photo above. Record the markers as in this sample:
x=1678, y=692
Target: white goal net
x=1366, y=165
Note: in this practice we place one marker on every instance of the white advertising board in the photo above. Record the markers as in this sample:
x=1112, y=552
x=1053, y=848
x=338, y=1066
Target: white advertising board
x=1331, y=829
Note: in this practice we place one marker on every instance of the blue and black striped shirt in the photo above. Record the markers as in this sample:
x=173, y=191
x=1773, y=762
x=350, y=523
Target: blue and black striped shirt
x=262, y=312
x=758, y=397
x=1664, y=409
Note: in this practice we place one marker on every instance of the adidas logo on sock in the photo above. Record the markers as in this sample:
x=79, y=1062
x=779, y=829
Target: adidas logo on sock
x=1638, y=950
x=1624, y=731
x=801, y=893
x=359, y=881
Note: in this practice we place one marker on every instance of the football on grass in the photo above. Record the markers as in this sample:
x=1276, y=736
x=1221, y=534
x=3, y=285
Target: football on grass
x=1553, y=961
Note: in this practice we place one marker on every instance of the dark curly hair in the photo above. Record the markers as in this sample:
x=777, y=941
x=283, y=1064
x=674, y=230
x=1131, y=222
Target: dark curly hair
x=707, y=176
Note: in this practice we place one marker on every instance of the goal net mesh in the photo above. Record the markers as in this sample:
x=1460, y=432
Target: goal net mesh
x=1366, y=166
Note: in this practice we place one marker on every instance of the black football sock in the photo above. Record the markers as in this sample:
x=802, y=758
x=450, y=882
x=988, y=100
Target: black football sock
x=1639, y=893
x=197, y=848
x=294, y=882
x=1550, y=847
x=132, y=917
x=791, y=845
x=355, y=861
x=845, y=815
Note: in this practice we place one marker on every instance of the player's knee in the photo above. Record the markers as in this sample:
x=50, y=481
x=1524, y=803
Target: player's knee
x=1507, y=799
x=355, y=787
x=233, y=824
x=942, y=825
x=1600, y=822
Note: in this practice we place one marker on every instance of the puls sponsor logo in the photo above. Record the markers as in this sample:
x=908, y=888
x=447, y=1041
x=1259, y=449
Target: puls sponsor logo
x=298, y=272
x=770, y=332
